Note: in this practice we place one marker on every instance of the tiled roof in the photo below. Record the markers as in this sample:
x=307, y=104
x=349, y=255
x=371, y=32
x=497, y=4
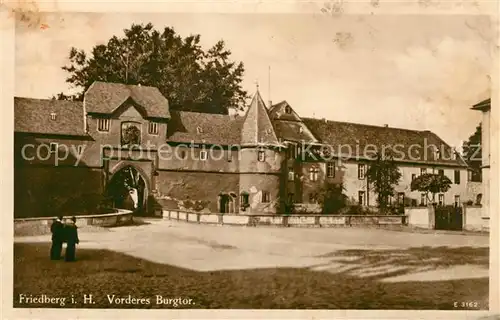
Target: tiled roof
x=291, y=131
x=278, y=111
x=257, y=128
x=34, y=116
x=185, y=126
x=483, y=105
x=357, y=136
x=105, y=97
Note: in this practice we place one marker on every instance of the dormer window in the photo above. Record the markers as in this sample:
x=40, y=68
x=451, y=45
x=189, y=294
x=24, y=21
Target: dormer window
x=153, y=128
x=288, y=110
x=103, y=124
x=199, y=130
x=52, y=116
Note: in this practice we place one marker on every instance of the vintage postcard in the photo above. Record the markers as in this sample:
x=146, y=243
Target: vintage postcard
x=333, y=159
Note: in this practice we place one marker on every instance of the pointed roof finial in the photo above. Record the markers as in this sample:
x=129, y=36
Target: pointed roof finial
x=257, y=84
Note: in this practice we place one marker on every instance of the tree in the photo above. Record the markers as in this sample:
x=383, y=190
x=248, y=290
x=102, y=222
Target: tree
x=189, y=77
x=332, y=197
x=384, y=174
x=431, y=183
x=471, y=151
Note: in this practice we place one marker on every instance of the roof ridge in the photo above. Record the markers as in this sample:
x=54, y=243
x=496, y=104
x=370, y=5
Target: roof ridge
x=366, y=125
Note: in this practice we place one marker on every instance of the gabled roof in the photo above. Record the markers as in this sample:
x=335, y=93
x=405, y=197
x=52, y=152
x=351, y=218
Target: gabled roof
x=34, y=116
x=357, y=136
x=257, y=127
x=288, y=125
x=185, y=126
x=278, y=111
x=484, y=105
x=106, y=97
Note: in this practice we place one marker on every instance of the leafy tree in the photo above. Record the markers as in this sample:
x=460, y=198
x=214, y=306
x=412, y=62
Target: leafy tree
x=472, y=153
x=384, y=174
x=190, y=78
x=431, y=183
x=332, y=197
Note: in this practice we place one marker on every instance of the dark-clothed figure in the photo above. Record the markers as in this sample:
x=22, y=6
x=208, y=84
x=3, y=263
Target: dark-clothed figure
x=71, y=239
x=57, y=229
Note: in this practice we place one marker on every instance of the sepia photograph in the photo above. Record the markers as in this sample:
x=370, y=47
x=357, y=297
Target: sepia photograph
x=315, y=160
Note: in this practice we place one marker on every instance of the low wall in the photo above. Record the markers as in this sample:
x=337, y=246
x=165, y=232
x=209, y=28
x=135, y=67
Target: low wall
x=42, y=224
x=420, y=217
x=283, y=221
x=474, y=219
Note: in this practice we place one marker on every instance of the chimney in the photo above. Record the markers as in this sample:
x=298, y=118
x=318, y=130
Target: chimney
x=270, y=104
x=324, y=120
x=386, y=126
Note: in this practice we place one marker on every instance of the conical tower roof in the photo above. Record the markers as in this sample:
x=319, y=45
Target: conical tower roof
x=257, y=127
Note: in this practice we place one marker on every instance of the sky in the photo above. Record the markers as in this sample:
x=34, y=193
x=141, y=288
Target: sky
x=418, y=72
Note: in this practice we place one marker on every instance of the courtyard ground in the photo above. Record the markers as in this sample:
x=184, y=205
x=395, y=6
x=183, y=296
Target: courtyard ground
x=263, y=268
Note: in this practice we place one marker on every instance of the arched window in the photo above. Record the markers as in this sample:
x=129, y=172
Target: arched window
x=479, y=198
x=288, y=110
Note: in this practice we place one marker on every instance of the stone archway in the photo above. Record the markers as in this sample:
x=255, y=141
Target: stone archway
x=128, y=188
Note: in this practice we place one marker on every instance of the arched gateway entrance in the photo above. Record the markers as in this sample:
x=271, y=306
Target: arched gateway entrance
x=128, y=190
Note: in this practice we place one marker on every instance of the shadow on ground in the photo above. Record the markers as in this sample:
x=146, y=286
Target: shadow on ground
x=392, y=263
x=103, y=272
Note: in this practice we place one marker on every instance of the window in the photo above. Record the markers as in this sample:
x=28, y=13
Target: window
x=288, y=110
x=265, y=197
x=401, y=198
x=479, y=197
x=437, y=154
x=292, y=151
x=153, y=128
x=244, y=199
x=203, y=155
x=361, y=171
x=441, y=172
x=423, y=199
x=80, y=149
x=457, y=176
x=313, y=173
x=413, y=176
x=182, y=154
x=103, y=124
x=54, y=147
x=301, y=129
x=291, y=197
x=291, y=174
x=261, y=156
x=52, y=116
x=457, y=200
x=441, y=199
x=423, y=170
x=361, y=198
x=229, y=156
x=330, y=170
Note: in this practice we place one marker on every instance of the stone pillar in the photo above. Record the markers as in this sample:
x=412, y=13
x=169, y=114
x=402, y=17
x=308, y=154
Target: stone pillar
x=432, y=216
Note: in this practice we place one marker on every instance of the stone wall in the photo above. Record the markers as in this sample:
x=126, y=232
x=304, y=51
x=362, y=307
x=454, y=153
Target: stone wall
x=420, y=217
x=176, y=189
x=41, y=191
x=40, y=226
x=281, y=220
x=474, y=219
